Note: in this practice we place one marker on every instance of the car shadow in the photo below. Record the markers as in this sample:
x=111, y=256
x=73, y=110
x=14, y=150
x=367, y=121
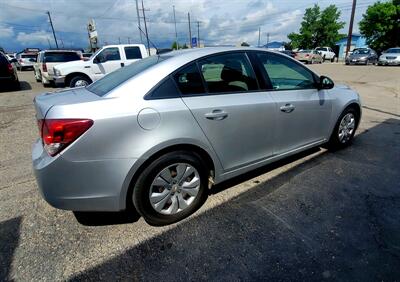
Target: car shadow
x=107, y=218
x=9, y=238
x=332, y=217
x=23, y=86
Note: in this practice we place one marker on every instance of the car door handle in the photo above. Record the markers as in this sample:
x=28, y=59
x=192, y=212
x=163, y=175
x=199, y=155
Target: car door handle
x=216, y=115
x=288, y=108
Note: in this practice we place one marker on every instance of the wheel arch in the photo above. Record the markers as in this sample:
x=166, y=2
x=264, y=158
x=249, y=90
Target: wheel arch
x=352, y=104
x=210, y=162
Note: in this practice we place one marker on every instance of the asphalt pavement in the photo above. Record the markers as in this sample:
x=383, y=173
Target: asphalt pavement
x=314, y=216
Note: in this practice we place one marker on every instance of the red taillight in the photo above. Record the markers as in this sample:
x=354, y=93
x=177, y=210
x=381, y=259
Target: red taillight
x=10, y=68
x=57, y=134
x=44, y=67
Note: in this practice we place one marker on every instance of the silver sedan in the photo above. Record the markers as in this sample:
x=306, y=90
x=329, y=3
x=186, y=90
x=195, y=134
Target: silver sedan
x=157, y=134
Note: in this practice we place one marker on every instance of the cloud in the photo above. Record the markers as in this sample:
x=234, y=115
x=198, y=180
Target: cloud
x=6, y=32
x=38, y=37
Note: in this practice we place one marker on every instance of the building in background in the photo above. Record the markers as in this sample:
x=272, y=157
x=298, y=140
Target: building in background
x=357, y=41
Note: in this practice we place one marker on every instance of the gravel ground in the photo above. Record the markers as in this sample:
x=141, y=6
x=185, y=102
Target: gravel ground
x=314, y=216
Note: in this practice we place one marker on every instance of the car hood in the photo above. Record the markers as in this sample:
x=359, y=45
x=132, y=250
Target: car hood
x=357, y=56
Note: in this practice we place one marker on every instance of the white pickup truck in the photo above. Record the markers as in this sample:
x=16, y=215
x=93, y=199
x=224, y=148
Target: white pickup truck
x=107, y=59
x=326, y=53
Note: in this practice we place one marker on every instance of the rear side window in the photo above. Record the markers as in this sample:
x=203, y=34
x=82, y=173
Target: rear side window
x=133, y=53
x=228, y=73
x=286, y=74
x=59, y=57
x=189, y=80
x=167, y=89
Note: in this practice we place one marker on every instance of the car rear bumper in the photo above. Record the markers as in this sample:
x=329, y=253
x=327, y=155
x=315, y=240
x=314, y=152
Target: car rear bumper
x=95, y=185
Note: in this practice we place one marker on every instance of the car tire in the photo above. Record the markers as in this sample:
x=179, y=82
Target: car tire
x=338, y=140
x=333, y=59
x=168, y=214
x=17, y=85
x=323, y=59
x=78, y=81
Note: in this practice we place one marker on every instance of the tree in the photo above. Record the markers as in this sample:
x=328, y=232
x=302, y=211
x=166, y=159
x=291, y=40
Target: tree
x=245, y=44
x=381, y=25
x=176, y=46
x=318, y=28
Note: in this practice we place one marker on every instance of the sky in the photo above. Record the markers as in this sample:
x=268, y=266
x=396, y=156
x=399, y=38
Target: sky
x=24, y=23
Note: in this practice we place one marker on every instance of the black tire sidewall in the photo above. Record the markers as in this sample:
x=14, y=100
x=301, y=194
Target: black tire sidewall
x=140, y=193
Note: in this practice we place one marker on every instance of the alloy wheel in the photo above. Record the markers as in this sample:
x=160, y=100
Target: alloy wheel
x=346, y=128
x=174, y=188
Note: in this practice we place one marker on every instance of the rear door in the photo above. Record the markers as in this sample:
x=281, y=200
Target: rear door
x=302, y=111
x=236, y=117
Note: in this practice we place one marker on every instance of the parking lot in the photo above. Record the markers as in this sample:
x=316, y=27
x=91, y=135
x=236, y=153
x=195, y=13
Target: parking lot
x=315, y=216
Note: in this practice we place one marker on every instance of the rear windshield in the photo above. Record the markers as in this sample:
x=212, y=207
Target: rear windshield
x=114, y=79
x=29, y=56
x=393, y=50
x=61, y=57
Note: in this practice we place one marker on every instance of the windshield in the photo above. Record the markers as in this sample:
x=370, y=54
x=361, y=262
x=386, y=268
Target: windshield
x=116, y=78
x=361, y=51
x=29, y=56
x=320, y=49
x=393, y=50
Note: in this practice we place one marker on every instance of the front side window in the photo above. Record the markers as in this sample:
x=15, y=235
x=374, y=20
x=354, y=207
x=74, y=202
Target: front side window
x=286, y=74
x=133, y=53
x=228, y=73
x=108, y=54
x=189, y=80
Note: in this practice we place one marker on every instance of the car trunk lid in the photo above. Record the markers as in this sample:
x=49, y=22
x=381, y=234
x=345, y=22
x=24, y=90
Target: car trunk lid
x=43, y=103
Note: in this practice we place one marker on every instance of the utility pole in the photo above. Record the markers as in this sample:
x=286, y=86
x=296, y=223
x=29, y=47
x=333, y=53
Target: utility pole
x=259, y=36
x=62, y=43
x=190, y=32
x=176, y=33
x=129, y=40
x=353, y=9
x=52, y=27
x=138, y=18
x=119, y=40
x=267, y=39
x=145, y=28
x=198, y=34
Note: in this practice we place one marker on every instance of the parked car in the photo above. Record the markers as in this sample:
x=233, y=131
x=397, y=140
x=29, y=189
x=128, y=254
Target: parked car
x=363, y=56
x=290, y=53
x=48, y=59
x=10, y=56
x=157, y=133
x=390, y=57
x=104, y=61
x=8, y=73
x=326, y=53
x=309, y=56
x=25, y=60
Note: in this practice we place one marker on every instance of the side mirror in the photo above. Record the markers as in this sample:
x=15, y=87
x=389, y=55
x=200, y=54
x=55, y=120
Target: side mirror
x=325, y=83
